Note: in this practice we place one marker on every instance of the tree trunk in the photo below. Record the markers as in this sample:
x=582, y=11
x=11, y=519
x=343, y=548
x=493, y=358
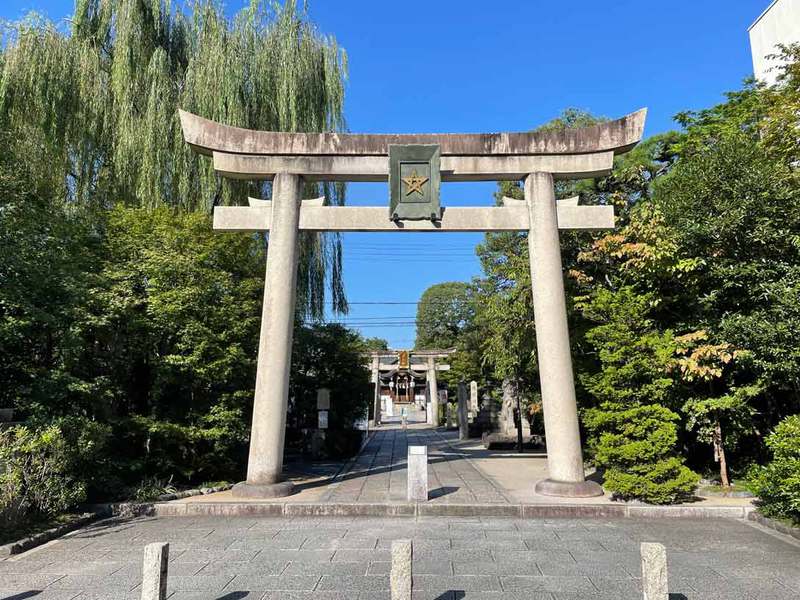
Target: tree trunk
x=719, y=453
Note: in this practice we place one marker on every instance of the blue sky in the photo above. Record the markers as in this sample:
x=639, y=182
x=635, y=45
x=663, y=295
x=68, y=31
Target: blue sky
x=463, y=65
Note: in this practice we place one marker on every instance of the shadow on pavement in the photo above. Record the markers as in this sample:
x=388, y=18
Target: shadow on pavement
x=442, y=491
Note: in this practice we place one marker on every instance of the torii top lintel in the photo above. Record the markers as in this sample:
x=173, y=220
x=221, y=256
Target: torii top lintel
x=618, y=136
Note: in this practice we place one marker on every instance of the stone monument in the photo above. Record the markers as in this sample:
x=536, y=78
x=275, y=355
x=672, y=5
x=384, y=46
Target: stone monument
x=463, y=419
x=473, y=399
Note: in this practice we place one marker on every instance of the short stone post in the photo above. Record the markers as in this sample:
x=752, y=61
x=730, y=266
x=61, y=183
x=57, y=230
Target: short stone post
x=401, y=578
x=417, y=473
x=654, y=571
x=154, y=571
x=463, y=422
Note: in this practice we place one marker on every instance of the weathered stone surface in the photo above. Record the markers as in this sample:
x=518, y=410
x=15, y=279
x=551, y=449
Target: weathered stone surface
x=372, y=218
x=277, y=489
x=417, y=474
x=452, y=415
x=265, y=461
x=564, y=454
x=593, y=511
x=473, y=398
x=376, y=390
x=400, y=577
x=154, y=571
x=618, y=136
x=376, y=168
x=586, y=559
x=463, y=422
x=568, y=489
x=654, y=571
x=433, y=393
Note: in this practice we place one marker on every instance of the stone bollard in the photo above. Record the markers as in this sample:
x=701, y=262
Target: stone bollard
x=417, y=473
x=154, y=571
x=400, y=578
x=654, y=571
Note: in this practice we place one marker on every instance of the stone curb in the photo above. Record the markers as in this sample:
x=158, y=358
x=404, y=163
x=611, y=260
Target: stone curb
x=526, y=511
x=757, y=517
x=193, y=492
x=43, y=537
x=144, y=509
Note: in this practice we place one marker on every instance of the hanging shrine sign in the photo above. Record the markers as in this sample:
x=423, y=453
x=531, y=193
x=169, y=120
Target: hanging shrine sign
x=403, y=359
x=414, y=182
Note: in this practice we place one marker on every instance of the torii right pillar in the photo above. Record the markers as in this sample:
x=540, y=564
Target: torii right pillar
x=564, y=454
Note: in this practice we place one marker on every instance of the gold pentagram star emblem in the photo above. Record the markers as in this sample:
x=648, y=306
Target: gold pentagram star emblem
x=414, y=183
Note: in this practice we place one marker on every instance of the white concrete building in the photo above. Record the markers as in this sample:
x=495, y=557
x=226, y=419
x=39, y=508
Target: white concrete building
x=778, y=24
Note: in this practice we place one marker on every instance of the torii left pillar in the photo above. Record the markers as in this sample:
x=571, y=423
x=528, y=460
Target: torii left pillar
x=265, y=463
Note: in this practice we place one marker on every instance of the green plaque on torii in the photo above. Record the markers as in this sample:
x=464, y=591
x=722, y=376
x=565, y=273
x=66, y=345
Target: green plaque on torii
x=414, y=182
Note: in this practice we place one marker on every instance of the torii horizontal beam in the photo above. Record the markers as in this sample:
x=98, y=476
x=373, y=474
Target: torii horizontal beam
x=618, y=136
x=413, y=367
x=516, y=217
x=376, y=168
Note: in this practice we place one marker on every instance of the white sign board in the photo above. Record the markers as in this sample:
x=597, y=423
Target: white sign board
x=323, y=399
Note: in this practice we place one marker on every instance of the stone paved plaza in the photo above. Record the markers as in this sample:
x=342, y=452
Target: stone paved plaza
x=347, y=559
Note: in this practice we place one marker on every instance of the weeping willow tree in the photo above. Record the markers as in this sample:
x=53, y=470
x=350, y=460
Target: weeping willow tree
x=94, y=107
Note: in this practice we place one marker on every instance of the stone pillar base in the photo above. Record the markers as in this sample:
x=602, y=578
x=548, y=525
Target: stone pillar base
x=263, y=490
x=568, y=489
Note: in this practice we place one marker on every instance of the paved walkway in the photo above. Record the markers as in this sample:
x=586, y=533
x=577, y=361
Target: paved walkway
x=348, y=559
x=379, y=473
x=459, y=472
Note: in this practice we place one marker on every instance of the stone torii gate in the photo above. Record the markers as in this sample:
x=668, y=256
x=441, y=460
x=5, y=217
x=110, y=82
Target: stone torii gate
x=428, y=361
x=537, y=158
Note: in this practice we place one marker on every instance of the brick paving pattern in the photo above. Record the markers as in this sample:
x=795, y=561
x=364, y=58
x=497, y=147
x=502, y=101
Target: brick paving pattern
x=332, y=558
x=379, y=472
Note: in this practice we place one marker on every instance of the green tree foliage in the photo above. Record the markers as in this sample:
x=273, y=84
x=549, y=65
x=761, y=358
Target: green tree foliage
x=443, y=312
x=720, y=416
x=736, y=208
x=47, y=260
x=710, y=241
x=705, y=245
x=634, y=356
x=119, y=305
x=376, y=343
x=178, y=307
x=633, y=434
x=330, y=356
x=777, y=484
x=636, y=447
x=94, y=111
x=47, y=470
